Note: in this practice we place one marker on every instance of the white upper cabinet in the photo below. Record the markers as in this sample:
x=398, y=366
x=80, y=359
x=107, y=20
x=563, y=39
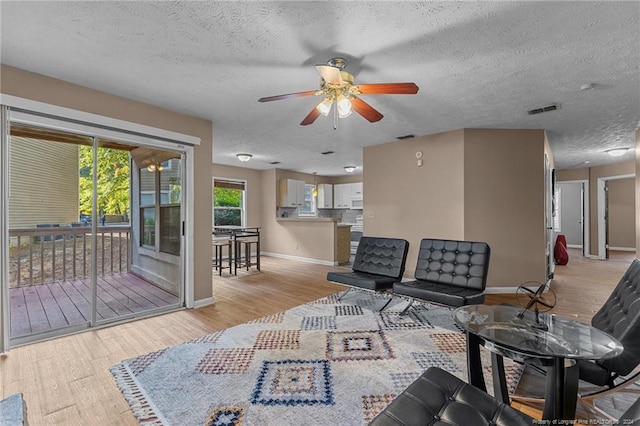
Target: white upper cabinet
x=325, y=196
x=291, y=193
x=345, y=193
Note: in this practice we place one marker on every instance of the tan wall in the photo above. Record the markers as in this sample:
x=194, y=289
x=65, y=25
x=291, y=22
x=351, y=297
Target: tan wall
x=572, y=174
x=43, y=183
x=622, y=206
x=37, y=87
x=403, y=200
x=504, y=201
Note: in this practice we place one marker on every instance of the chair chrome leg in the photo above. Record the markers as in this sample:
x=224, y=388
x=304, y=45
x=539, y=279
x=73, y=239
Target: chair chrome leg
x=344, y=294
x=405, y=310
x=386, y=304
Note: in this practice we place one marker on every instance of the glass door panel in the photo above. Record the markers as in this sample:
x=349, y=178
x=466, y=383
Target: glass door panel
x=49, y=239
x=93, y=238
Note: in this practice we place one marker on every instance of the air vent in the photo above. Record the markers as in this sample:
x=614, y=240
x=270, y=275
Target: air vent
x=327, y=152
x=548, y=108
x=275, y=162
x=405, y=137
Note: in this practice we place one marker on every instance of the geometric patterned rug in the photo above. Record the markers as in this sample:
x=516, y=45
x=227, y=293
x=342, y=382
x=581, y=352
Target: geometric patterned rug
x=327, y=362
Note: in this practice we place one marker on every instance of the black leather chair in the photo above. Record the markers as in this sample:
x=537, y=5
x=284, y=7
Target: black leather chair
x=439, y=398
x=448, y=272
x=619, y=316
x=379, y=262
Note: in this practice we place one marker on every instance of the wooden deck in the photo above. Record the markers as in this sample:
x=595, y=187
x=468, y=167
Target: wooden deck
x=45, y=307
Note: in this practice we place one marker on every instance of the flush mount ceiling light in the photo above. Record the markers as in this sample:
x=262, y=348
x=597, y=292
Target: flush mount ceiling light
x=617, y=152
x=244, y=157
x=349, y=169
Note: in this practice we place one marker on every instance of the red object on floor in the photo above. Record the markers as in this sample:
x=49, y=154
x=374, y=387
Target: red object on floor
x=560, y=251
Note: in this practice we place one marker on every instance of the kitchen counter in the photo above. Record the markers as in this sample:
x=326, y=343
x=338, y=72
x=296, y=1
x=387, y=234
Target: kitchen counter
x=306, y=219
x=319, y=238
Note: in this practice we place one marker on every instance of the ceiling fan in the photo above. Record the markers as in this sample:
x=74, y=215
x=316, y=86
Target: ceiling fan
x=337, y=86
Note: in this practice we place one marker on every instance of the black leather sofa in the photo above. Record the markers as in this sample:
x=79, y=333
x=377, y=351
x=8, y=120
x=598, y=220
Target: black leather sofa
x=449, y=272
x=379, y=262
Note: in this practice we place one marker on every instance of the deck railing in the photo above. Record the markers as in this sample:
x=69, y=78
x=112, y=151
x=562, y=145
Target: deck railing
x=46, y=255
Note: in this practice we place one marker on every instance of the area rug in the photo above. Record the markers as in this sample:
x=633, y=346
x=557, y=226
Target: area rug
x=327, y=362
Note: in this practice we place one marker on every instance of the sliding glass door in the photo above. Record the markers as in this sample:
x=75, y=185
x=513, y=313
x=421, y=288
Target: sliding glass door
x=93, y=229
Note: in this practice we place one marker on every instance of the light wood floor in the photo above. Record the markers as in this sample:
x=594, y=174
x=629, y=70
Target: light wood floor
x=66, y=381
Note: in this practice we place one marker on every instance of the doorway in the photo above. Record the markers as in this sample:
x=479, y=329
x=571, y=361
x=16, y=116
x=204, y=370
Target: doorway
x=573, y=213
x=616, y=214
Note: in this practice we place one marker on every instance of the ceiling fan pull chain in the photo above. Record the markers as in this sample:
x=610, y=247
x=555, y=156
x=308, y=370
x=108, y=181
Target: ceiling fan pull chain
x=335, y=117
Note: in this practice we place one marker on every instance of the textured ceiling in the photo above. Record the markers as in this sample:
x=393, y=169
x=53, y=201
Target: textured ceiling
x=478, y=65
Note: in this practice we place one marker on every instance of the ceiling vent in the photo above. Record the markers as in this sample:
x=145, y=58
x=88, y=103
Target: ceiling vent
x=548, y=108
x=405, y=137
x=327, y=152
x=275, y=162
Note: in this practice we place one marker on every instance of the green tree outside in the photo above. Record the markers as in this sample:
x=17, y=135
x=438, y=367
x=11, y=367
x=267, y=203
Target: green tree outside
x=113, y=180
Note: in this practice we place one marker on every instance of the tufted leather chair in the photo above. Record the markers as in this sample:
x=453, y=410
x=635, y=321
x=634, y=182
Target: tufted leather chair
x=620, y=317
x=378, y=263
x=439, y=398
x=449, y=272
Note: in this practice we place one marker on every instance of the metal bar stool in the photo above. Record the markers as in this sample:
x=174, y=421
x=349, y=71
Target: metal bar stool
x=244, y=243
x=219, y=243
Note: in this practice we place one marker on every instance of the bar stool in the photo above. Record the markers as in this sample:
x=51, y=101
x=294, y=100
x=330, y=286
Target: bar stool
x=245, y=243
x=219, y=243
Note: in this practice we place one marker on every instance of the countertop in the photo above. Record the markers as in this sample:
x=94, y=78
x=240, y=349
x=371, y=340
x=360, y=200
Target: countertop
x=306, y=219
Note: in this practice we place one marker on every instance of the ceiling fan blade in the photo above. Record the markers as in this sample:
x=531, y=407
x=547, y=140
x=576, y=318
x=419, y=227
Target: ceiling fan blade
x=311, y=117
x=288, y=95
x=365, y=110
x=330, y=74
x=388, y=89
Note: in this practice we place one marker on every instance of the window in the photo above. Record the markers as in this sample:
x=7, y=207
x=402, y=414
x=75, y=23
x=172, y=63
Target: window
x=228, y=202
x=309, y=206
x=160, y=200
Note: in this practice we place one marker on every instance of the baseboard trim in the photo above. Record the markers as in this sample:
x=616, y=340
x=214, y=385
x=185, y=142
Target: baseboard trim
x=300, y=259
x=500, y=290
x=574, y=246
x=201, y=303
x=622, y=248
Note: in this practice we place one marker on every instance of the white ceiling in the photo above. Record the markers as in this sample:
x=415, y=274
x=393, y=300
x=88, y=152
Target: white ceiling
x=478, y=65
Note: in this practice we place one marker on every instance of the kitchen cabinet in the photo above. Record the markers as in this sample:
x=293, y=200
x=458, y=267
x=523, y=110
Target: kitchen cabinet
x=341, y=196
x=291, y=193
x=325, y=196
x=344, y=193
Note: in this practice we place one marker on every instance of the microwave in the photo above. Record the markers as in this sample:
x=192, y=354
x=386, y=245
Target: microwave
x=356, y=203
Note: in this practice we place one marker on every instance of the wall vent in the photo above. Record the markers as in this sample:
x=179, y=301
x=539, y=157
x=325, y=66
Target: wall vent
x=406, y=137
x=548, y=108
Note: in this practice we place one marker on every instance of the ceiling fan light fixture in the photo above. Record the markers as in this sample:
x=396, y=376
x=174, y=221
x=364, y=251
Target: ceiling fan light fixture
x=244, y=157
x=349, y=169
x=325, y=106
x=344, y=106
x=617, y=152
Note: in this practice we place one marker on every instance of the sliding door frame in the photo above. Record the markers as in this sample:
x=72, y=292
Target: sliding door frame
x=52, y=116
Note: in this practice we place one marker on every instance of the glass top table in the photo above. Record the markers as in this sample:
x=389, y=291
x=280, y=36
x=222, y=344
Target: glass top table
x=544, y=339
